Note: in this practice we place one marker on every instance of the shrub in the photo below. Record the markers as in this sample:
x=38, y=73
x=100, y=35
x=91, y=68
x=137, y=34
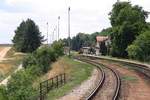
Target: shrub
x=140, y=49
x=3, y=93
x=19, y=86
x=43, y=57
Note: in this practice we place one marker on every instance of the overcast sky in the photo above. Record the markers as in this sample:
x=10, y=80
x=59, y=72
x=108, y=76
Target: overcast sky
x=86, y=15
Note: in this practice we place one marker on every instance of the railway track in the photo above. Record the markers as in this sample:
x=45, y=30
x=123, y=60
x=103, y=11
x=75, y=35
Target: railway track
x=142, y=68
x=109, y=84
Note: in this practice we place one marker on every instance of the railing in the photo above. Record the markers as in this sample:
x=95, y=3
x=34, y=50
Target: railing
x=50, y=84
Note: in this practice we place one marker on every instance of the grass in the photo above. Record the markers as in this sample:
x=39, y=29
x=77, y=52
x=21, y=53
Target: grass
x=129, y=78
x=76, y=71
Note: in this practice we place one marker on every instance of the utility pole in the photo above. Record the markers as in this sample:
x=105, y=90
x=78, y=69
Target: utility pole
x=53, y=35
x=58, y=26
x=69, y=42
x=47, y=32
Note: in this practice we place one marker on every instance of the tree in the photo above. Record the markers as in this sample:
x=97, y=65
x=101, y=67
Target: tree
x=27, y=37
x=127, y=22
x=140, y=49
x=80, y=40
x=106, y=32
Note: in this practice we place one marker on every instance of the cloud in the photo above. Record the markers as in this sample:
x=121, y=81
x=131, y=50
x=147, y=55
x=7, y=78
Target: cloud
x=86, y=15
x=14, y=2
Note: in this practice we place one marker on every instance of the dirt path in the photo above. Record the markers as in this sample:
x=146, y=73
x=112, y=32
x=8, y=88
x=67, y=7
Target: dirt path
x=134, y=86
x=80, y=92
x=3, y=52
x=4, y=82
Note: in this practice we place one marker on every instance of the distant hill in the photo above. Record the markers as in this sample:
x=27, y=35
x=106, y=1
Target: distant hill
x=6, y=44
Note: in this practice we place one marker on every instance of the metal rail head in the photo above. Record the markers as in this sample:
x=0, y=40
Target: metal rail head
x=115, y=96
x=101, y=81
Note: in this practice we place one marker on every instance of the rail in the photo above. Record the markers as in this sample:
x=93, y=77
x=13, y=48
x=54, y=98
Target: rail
x=142, y=68
x=101, y=82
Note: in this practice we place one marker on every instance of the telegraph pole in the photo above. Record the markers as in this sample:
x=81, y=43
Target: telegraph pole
x=58, y=26
x=69, y=29
x=53, y=35
x=47, y=32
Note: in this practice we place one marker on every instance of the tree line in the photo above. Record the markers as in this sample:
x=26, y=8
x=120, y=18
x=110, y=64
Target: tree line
x=86, y=40
x=129, y=32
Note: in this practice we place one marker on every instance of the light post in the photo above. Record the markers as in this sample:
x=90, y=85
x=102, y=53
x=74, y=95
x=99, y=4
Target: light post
x=58, y=26
x=47, y=32
x=53, y=35
x=69, y=42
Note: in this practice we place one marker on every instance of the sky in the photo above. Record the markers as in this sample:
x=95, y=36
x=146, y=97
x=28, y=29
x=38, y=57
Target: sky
x=87, y=16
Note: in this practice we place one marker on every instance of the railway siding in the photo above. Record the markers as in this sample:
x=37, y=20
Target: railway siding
x=143, y=68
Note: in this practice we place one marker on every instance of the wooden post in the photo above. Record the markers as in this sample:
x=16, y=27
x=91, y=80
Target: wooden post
x=52, y=82
x=57, y=81
x=47, y=86
x=41, y=91
x=64, y=78
x=61, y=79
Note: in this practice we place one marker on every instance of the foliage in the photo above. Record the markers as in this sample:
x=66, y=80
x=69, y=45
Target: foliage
x=3, y=93
x=43, y=57
x=140, y=49
x=127, y=22
x=29, y=60
x=106, y=32
x=58, y=48
x=86, y=40
x=79, y=41
x=19, y=86
x=27, y=37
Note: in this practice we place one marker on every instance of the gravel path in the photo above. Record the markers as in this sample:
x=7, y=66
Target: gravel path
x=80, y=92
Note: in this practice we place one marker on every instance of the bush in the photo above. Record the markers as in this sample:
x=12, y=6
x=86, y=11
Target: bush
x=3, y=93
x=20, y=86
x=43, y=57
x=29, y=61
x=140, y=49
x=58, y=49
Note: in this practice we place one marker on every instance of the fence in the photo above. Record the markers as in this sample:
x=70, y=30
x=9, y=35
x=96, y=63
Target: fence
x=51, y=83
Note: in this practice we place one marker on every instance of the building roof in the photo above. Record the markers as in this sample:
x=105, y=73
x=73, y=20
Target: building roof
x=85, y=47
x=101, y=38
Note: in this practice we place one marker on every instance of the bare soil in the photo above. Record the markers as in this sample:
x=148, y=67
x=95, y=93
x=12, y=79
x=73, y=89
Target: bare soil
x=134, y=86
x=3, y=52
